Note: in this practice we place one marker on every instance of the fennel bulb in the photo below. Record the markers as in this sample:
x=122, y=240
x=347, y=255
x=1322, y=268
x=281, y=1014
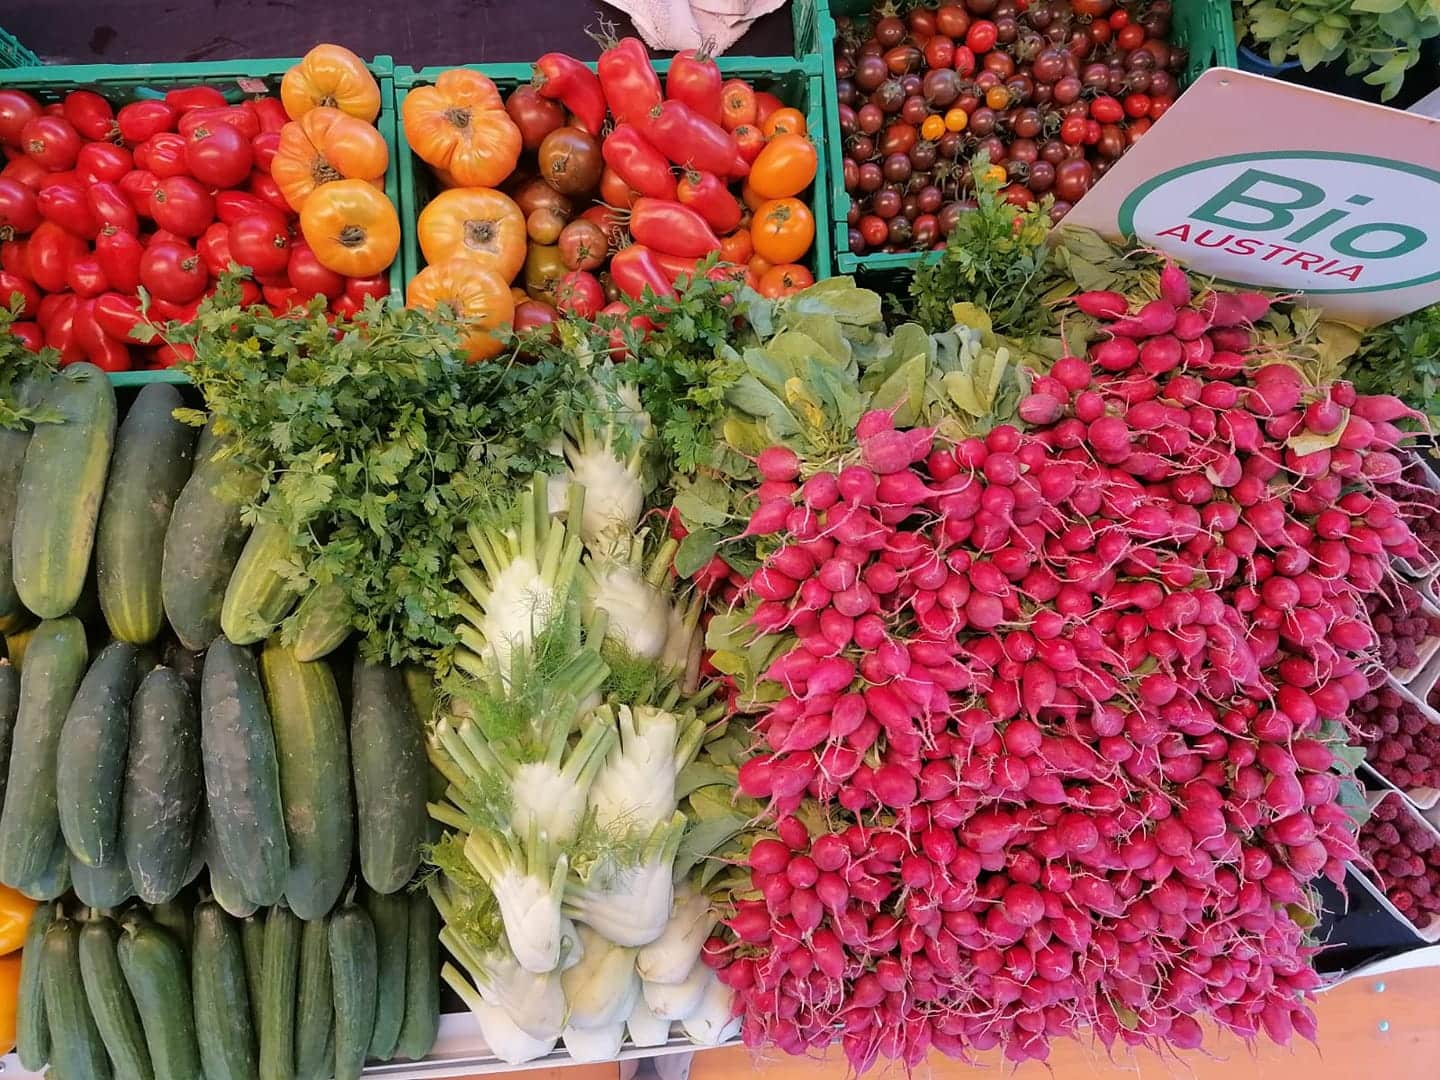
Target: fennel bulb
x=528, y=885
x=603, y=988
x=714, y=1021
x=635, y=788
x=676, y=1001
x=505, y=1039
x=534, y=1002
x=638, y=612
x=645, y=1028
x=630, y=904
x=671, y=957
x=614, y=484
x=594, y=1044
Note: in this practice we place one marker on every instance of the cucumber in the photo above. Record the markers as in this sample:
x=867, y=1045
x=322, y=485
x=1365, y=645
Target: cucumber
x=32, y=1032
x=322, y=622
x=16, y=642
x=159, y=979
x=314, y=756
x=353, y=968
x=242, y=774
x=110, y=1002
x=54, y=880
x=9, y=706
x=277, y=994
x=61, y=485
x=174, y=917
x=420, y=685
x=162, y=786
x=258, y=598
x=13, y=444
x=90, y=760
x=387, y=755
x=153, y=456
x=105, y=886
x=224, y=885
x=207, y=443
x=315, y=1005
x=30, y=824
x=390, y=915
x=252, y=941
x=223, y=1026
x=202, y=545
x=422, y=980
x=76, y=1045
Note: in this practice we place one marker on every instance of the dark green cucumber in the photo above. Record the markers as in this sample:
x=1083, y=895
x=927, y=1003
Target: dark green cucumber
x=353, y=969
x=174, y=917
x=158, y=975
x=420, y=685
x=9, y=706
x=105, y=886
x=258, y=597
x=61, y=485
x=153, y=456
x=223, y=1027
x=202, y=545
x=54, y=880
x=322, y=622
x=13, y=445
x=390, y=915
x=110, y=1002
x=207, y=443
x=277, y=994
x=90, y=760
x=314, y=756
x=30, y=825
x=387, y=756
x=315, y=1005
x=32, y=1033
x=162, y=786
x=252, y=941
x=422, y=980
x=242, y=774
x=75, y=1042
x=224, y=885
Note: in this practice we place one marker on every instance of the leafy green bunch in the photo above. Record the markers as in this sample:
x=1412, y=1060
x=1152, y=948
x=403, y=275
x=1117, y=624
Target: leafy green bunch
x=21, y=371
x=1402, y=357
x=1379, y=37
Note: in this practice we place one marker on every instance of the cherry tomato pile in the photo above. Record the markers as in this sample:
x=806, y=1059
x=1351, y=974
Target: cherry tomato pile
x=578, y=212
x=162, y=193
x=1053, y=91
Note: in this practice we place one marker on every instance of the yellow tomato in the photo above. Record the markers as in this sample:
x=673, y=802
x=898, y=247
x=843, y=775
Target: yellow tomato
x=479, y=296
x=352, y=227
x=957, y=120
x=331, y=75
x=933, y=127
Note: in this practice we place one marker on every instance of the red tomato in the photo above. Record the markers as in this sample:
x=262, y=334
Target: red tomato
x=51, y=251
x=765, y=104
x=1119, y=19
x=1137, y=128
x=262, y=242
x=1100, y=32
x=218, y=155
x=164, y=155
x=939, y=52
x=52, y=141
x=111, y=206
x=1093, y=131
x=141, y=119
x=60, y=330
x=68, y=206
x=980, y=38
x=214, y=248
x=346, y=307
x=167, y=355
x=101, y=161
x=19, y=210
x=1131, y=36
x=281, y=298
x=262, y=185
x=270, y=112
x=238, y=117
x=15, y=257
x=749, y=140
x=51, y=305
x=173, y=272
x=1159, y=106
x=307, y=275
x=1072, y=130
x=102, y=350
x=184, y=98
x=533, y=314
x=86, y=278
x=119, y=316
x=182, y=206
x=137, y=187
x=17, y=108
x=358, y=288
x=580, y=293
x=1107, y=110
x=231, y=206
x=118, y=253
x=1137, y=105
x=25, y=170
x=169, y=311
x=90, y=115
x=12, y=285
x=264, y=147
x=29, y=335
x=64, y=177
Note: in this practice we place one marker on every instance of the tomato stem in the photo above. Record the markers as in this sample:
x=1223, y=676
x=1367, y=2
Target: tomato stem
x=458, y=117
x=351, y=236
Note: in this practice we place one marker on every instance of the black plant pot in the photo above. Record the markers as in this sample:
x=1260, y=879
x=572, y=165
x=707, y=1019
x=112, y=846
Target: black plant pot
x=1419, y=80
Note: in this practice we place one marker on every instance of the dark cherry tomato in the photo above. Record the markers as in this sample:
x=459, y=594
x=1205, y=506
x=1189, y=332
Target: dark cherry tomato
x=939, y=52
x=1042, y=176
x=886, y=203
x=903, y=59
x=952, y=19
x=1159, y=106
x=1073, y=179
x=914, y=111
x=898, y=139
x=870, y=119
x=889, y=31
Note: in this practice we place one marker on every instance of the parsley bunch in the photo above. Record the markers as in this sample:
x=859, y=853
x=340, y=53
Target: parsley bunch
x=20, y=372
x=1402, y=357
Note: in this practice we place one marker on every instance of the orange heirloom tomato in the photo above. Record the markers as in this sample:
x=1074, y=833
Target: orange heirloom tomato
x=759, y=266
x=785, y=279
x=737, y=247
x=783, y=230
x=785, y=167
x=9, y=1000
x=480, y=223
x=785, y=121
x=478, y=295
x=460, y=125
x=325, y=145
x=331, y=75
x=351, y=227
x=751, y=198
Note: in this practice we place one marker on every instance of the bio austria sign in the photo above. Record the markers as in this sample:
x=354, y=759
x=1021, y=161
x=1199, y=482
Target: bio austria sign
x=1357, y=231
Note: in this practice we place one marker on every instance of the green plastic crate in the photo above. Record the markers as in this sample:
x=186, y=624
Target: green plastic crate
x=1205, y=27
x=15, y=55
x=121, y=83
x=794, y=81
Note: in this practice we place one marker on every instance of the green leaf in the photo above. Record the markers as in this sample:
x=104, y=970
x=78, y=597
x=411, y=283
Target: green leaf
x=696, y=551
x=1378, y=7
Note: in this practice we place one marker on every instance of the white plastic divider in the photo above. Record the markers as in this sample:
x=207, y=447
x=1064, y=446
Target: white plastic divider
x=1430, y=933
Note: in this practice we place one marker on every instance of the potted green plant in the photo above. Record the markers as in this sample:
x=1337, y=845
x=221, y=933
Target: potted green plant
x=1335, y=41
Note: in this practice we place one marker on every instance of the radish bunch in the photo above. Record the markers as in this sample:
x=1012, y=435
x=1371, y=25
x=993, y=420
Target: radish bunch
x=1047, y=736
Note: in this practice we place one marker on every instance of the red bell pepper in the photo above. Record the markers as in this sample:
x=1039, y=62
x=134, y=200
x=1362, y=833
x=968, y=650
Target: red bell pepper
x=695, y=79
x=635, y=269
x=564, y=79
x=672, y=228
x=687, y=138
x=640, y=165
x=711, y=198
x=631, y=86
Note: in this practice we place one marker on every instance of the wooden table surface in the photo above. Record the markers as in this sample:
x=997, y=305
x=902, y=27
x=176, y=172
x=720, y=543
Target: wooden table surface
x=1387, y=1028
